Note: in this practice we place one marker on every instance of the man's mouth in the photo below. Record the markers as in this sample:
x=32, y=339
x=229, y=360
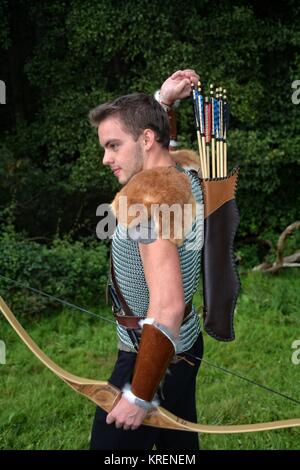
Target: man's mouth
x=117, y=171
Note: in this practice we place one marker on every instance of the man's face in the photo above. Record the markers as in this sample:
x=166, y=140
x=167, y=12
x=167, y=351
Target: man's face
x=123, y=155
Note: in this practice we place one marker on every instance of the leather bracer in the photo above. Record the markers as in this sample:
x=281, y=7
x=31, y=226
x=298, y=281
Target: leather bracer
x=155, y=353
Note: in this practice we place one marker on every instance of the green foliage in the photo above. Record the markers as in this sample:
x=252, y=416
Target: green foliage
x=77, y=54
x=73, y=271
x=4, y=31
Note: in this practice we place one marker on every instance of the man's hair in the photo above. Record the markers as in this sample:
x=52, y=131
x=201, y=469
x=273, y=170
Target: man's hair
x=136, y=112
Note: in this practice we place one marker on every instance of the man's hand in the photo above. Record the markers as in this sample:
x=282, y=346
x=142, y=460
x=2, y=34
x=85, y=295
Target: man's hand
x=178, y=86
x=126, y=415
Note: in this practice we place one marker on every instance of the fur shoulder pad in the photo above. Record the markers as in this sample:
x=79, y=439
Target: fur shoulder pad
x=163, y=194
x=187, y=159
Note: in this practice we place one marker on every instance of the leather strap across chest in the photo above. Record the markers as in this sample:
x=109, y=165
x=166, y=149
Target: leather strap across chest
x=132, y=321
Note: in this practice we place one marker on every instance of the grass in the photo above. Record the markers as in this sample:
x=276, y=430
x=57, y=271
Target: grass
x=38, y=411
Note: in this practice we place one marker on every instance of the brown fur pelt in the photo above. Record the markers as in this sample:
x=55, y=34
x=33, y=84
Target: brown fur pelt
x=159, y=186
x=188, y=159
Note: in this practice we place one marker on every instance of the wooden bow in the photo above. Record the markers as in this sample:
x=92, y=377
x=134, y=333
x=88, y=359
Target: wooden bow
x=105, y=395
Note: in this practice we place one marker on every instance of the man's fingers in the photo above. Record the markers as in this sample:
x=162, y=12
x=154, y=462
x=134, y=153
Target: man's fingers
x=186, y=82
x=182, y=89
x=188, y=73
x=126, y=416
x=110, y=418
x=176, y=74
x=126, y=427
x=119, y=425
x=194, y=79
x=182, y=85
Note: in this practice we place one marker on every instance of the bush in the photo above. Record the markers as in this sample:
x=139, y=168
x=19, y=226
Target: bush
x=73, y=271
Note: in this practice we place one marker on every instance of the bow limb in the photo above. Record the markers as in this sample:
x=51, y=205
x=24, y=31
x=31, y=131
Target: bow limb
x=106, y=395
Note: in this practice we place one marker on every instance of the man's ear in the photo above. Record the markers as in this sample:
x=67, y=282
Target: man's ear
x=148, y=138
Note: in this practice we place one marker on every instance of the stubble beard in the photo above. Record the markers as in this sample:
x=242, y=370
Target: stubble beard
x=137, y=163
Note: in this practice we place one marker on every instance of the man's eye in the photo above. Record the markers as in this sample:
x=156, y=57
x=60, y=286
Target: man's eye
x=114, y=146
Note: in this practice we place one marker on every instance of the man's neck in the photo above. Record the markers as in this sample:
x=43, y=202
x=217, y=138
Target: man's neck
x=160, y=158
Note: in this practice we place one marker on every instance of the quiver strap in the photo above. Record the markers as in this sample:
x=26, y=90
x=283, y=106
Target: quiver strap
x=122, y=301
x=154, y=355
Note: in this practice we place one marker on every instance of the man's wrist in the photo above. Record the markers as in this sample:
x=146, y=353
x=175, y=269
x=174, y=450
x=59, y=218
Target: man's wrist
x=131, y=398
x=164, y=103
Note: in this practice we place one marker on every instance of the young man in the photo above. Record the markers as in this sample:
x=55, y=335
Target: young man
x=156, y=275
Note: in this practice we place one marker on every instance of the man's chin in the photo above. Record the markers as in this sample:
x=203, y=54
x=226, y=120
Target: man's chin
x=122, y=179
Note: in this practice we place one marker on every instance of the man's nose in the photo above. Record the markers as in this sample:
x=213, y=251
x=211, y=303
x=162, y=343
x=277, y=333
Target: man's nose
x=107, y=159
